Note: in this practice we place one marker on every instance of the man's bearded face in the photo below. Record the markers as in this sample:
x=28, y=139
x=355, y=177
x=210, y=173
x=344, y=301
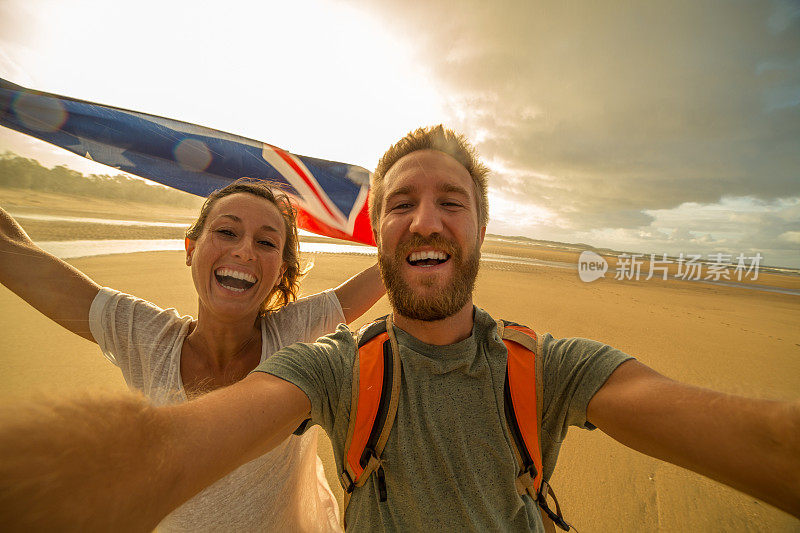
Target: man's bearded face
x=434, y=299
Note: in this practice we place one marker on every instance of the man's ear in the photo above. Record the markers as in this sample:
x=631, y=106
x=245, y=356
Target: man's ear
x=482, y=235
x=189, y=244
x=375, y=235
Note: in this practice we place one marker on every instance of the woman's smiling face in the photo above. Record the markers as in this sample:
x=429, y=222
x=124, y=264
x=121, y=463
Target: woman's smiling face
x=238, y=259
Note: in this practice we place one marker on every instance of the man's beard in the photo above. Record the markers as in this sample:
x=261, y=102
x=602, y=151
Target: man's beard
x=448, y=299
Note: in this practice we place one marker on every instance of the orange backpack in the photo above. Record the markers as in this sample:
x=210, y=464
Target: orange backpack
x=376, y=391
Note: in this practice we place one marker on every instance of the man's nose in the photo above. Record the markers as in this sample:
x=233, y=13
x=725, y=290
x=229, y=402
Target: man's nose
x=426, y=220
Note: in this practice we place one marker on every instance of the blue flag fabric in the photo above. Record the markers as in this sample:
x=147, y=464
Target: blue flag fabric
x=331, y=197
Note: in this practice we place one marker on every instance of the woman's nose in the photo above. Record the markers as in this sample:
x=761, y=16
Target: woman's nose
x=244, y=250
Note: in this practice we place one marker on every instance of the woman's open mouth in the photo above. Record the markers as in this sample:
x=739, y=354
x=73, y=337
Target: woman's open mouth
x=234, y=280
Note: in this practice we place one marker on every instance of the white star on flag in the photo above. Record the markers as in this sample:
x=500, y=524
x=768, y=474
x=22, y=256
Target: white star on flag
x=101, y=152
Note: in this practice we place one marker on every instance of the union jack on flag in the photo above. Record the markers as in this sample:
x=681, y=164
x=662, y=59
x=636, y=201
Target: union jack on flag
x=330, y=197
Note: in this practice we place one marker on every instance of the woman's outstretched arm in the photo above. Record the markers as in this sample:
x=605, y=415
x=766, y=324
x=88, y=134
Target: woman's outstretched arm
x=58, y=290
x=117, y=463
x=359, y=293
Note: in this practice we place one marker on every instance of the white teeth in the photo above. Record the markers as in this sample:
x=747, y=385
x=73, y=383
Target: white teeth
x=234, y=289
x=236, y=274
x=430, y=254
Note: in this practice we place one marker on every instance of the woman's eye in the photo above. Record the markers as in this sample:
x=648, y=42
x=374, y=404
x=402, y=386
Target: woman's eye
x=268, y=243
x=226, y=232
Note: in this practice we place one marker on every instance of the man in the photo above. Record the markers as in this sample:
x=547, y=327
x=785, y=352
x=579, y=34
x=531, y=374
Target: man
x=448, y=463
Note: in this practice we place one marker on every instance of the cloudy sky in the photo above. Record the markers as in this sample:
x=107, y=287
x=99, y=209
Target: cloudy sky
x=648, y=126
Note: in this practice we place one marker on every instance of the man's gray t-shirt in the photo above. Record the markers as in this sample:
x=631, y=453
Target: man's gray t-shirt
x=448, y=461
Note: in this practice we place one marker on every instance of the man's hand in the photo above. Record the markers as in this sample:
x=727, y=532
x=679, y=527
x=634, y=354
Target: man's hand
x=116, y=463
x=751, y=445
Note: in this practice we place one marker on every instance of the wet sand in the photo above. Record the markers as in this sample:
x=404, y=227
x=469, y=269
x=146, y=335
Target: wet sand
x=731, y=339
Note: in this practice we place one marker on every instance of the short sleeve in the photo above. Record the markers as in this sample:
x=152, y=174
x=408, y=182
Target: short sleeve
x=305, y=320
x=322, y=370
x=137, y=336
x=574, y=370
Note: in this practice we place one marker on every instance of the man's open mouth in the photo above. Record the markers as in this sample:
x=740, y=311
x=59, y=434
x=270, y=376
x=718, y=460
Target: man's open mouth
x=427, y=259
x=234, y=280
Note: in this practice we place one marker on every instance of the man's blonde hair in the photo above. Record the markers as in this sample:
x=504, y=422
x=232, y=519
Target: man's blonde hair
x=432, y=138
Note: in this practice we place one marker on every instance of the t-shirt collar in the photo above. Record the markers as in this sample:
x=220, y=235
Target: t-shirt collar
x=457, y=349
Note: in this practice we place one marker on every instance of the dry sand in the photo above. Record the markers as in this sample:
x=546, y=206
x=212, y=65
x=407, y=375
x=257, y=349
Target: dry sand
x=731, y=339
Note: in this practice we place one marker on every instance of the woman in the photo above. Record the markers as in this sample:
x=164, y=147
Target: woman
x=244, y=258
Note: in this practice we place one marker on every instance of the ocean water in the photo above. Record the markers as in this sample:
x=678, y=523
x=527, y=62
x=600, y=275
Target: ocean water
x=107, y=221
x=88, y=248
x=111, y=221
x=73, y=249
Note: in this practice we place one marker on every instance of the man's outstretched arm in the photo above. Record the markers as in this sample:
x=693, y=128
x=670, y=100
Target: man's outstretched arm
x=751, y=445
x=116, y=463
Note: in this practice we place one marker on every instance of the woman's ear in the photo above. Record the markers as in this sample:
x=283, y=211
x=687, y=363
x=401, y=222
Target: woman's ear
x=189, y=245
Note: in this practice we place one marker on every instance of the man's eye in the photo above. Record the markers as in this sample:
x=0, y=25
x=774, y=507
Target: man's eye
x=268, y=243
x=226, y=232
x=404, y=205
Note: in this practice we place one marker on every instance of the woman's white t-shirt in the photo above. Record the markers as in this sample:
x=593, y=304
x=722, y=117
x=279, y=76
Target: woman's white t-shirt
x=283, y=490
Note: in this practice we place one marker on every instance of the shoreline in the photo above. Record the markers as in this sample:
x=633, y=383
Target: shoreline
x=33, y=203
x=64, y=249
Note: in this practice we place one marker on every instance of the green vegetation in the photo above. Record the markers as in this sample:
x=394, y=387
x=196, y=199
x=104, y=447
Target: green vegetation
x=21, y=173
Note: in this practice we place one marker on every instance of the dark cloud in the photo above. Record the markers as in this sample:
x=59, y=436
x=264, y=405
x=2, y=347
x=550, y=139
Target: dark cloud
x=627, y=108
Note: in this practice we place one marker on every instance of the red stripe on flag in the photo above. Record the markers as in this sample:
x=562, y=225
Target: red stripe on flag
x=362, y=231
x=303, y=175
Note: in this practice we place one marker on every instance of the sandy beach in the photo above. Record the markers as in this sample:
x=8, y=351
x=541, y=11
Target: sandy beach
x=731, y=339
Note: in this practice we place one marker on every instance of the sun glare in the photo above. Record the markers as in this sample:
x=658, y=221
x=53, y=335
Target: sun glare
x=310, y=77
x=509, y=216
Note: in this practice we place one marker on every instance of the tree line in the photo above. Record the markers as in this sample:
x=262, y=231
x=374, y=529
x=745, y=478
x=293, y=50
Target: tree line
x=18, y=172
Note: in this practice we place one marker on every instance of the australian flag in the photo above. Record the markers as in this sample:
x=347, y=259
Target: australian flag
x=330, y=197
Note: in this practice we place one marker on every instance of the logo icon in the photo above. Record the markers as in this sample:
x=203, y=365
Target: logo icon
x=591, y=266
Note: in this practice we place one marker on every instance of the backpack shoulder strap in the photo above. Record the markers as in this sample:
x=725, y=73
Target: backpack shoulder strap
x=375, y=394
x=523, y=403
x=523, y=397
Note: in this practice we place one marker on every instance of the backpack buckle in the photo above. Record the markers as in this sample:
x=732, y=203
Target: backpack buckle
x=381, y=484
x=347, y=482
x=374, y=464
x=524, y=482
x=556, y=516
x=368, y=457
